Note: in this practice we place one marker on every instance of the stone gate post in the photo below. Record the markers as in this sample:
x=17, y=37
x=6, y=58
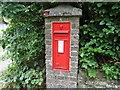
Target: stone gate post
x=62, y=45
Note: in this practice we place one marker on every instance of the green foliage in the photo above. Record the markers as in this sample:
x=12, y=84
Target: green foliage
x=112, y=71
x=99, y=38
x=24, y=40
x=25, y=78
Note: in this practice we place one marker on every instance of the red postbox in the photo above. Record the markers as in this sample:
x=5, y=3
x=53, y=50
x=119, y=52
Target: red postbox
x=61, y=46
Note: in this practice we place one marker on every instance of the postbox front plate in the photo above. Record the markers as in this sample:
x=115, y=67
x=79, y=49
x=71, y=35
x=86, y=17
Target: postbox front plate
x=61, y=46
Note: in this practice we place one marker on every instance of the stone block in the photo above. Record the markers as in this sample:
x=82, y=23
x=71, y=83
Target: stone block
x=73, y=84
x=48, y=36
x=49, y=71
x=48, y=52
x=63, y=84
x=51, y=19
x=74, y=46
x=72, y=74
x=48, y=42
x=74, y=70
x=48, y=61
x=48, y=57
x=66, y=74
x=74, y=53
x=57, y=73
x=50, y=81
x=66, y=19
x=74, y=49
x=48, y=26
x=75, y=19
x=74, y=57
x=50, y=76
x=74, y=37
x=74, y=31
x=49, y=66
x=48, y=31
x=74, y=64
x=71, y=78
x=75, y=25
x=60, y=77
x=49, y=85
x=48, y=48
x=74, y=43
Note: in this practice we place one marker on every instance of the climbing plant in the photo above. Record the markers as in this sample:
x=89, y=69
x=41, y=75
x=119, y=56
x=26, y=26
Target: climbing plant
x=24, y=40
x=100, y=39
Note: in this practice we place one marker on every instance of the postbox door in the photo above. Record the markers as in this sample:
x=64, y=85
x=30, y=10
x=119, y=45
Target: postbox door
x=61, y=47
x=61, y=55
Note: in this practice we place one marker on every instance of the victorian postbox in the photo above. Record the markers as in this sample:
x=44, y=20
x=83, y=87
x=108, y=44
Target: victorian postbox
x=61, y=46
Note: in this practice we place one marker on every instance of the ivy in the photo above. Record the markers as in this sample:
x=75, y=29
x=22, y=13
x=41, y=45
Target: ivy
x=24, y=41
x=99, y=39
x=111, y=71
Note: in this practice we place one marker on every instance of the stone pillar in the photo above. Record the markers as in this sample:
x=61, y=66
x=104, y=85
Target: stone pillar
x=62, y=13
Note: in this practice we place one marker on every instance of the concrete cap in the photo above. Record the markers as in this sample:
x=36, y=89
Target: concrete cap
x=63, y=10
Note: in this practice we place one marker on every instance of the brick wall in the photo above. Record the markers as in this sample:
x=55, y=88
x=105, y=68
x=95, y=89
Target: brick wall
x=61, y=79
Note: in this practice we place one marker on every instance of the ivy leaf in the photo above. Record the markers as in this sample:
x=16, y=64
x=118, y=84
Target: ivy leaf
x=118, y=33
x=92, y=73
x=82, y=54
x=15, y=78
x=85, y=25
x=99, y=4
x=115, y=6
x=102, y=23
x=108, y=24
x=117, y=48
x=39, y=83
x=115, y=77
x=84, y=65
x=21, y=78
x=113, y=28
x=115, y=39
x=92, y=21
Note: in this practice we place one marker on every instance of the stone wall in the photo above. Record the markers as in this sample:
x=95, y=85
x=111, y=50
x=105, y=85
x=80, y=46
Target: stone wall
x=99, y=82
x=61, y=79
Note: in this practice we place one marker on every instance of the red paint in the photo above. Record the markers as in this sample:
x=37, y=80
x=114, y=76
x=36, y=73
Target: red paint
x=61, y=60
